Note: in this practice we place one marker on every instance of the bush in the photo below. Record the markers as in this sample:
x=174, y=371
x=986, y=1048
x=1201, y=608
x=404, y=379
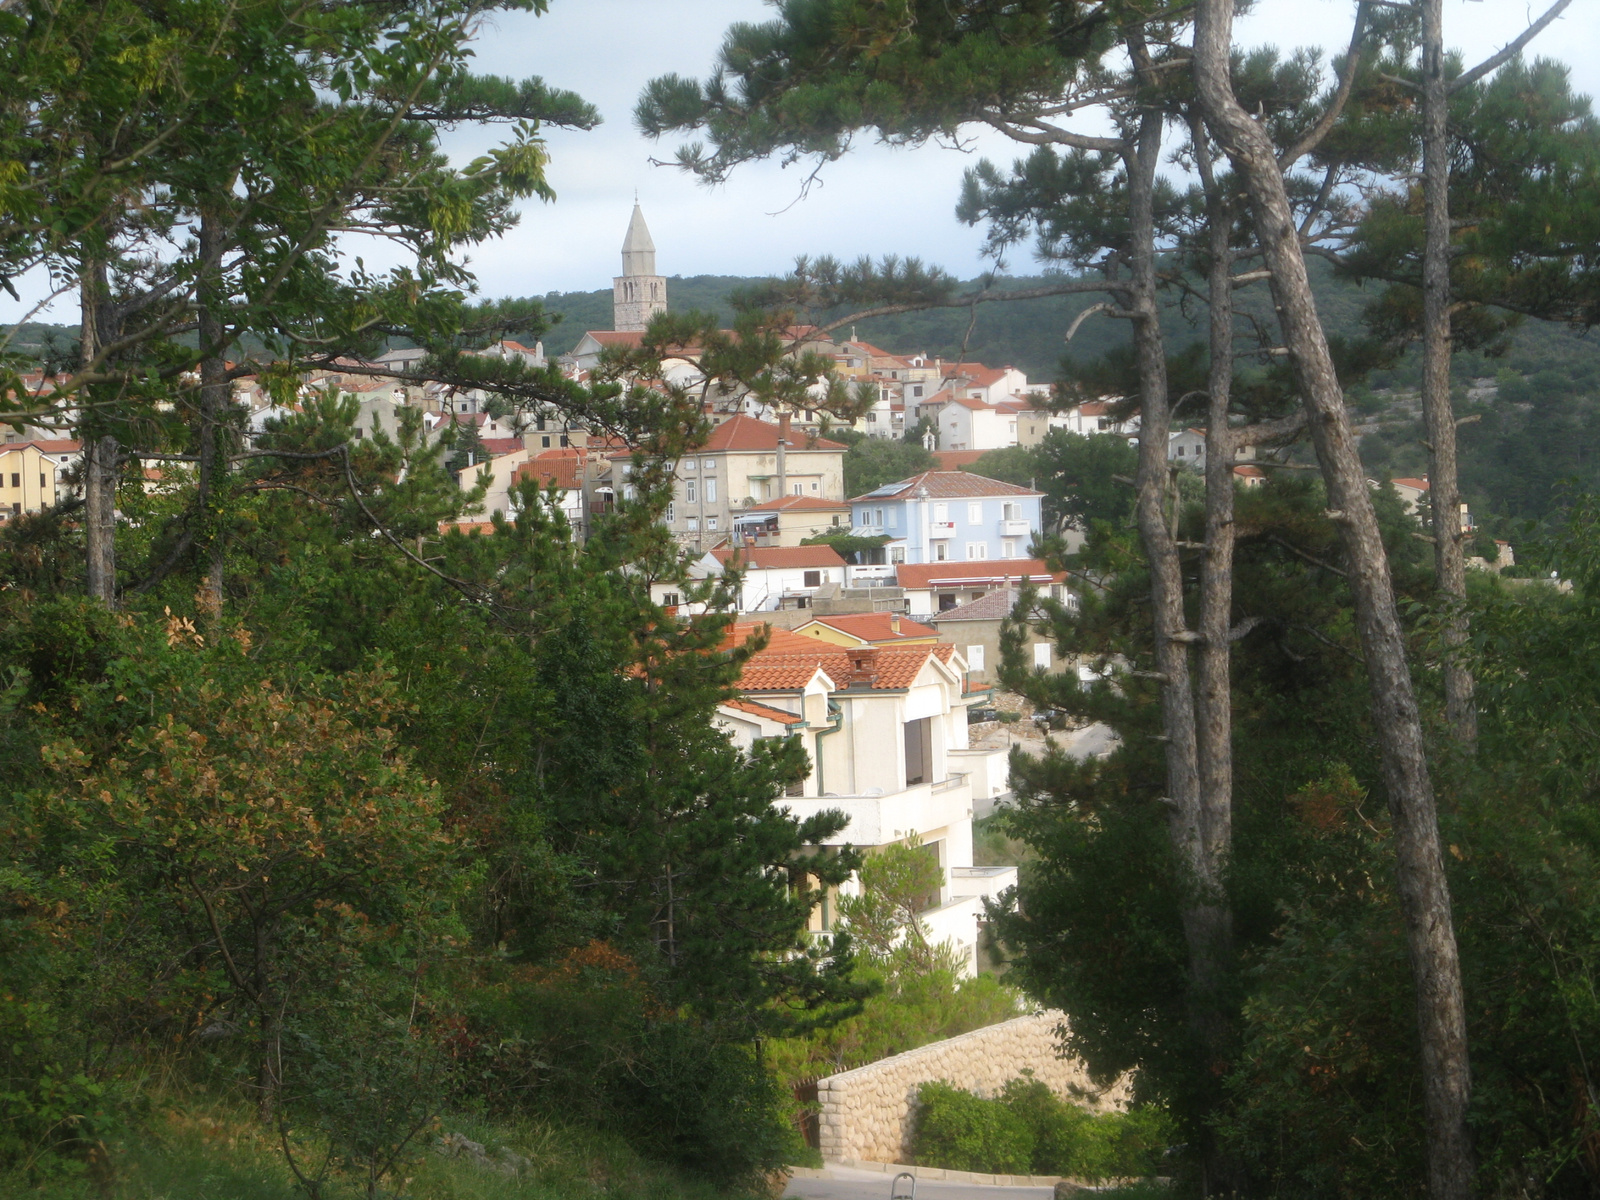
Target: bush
x=1028, y=1129
x=959, y=1131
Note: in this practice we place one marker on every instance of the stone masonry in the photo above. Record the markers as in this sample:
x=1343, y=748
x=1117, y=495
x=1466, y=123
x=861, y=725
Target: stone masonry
x=866, y=1113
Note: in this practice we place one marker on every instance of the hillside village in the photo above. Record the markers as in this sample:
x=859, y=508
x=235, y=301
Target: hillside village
x=888, y=650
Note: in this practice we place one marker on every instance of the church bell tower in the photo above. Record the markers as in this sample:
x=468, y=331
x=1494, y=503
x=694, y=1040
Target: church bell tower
x=638, y=293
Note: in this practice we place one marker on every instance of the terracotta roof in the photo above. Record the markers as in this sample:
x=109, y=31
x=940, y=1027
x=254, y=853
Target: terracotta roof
x=971, y=402
x=992, y=570
x=564, y=467
x=978, y=374
x=498, y=446
x=800, y=503
x=45, y=445
x=877, y=627
x=1249, y=472
x=944, y=652
x=1093, y=408
x=466, y=526
x=748, y=433
x=1420, y=484
x=765, y=711
x=954, y=460
x=766, y=558
x=786, y=672
x=616, y=337
x=948, y=485
x=791, y=660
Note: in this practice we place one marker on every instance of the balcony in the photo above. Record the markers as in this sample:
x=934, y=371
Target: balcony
x=941, y=529
x=878, y=820
x=1010, y=528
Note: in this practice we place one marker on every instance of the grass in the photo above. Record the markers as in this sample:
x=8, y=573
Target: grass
x=216, y=1151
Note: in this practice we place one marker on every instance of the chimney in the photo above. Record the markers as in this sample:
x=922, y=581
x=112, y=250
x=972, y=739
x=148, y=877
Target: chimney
x=863, y=666
x=783, y=452
x=894, y=624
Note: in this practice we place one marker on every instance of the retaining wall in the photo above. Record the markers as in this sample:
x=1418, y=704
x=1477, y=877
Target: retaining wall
x=866, y=1113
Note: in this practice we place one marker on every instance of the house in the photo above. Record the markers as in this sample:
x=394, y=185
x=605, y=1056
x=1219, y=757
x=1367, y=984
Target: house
x=741, y=465
x=938, y=587
x=944, y=516
x=973, y=629
x=781, y=576
x=28, y=476
x=1413, y=494
x=886, y=730
x=790, y=520
x=967, y=423
x=991, y=385
x=1249, y=476
x=1096, y=416
x=565, y=470
x=869, y=629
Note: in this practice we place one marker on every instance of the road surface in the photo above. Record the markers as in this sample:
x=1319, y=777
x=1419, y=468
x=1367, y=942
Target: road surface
x=850, y=1184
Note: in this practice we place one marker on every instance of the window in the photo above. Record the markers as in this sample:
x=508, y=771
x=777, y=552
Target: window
x=1180, y=451
x=709, y=464
x=689, y=491
x=1013, y=428
x=835, y=518
x=977, y=550
x=41, y=473
x=975, y=512
x=688, y=464
x=545, y=441
x=693, y=523
x=813, y=487
x=941, y=513
x=877, y=517
x=711, y=491
x=672, y=512
x=711, y=522
x=1011, y=511
x=974, y=657
x=799, y=488
x=1043, y=655
x=813, y=579
x=916, y=389
x=1008, y=548
x=565, y=440
x=941, y=551
x=670, y=599
x=897, y=554
x=919, y=752
x=947, y=601
x=872, y=418
x=16, y=479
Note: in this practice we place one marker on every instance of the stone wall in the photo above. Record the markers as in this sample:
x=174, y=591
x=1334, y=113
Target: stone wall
x=866, y=1113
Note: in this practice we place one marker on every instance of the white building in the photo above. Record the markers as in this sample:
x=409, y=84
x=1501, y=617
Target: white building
x=886, y=730
x=779, y=576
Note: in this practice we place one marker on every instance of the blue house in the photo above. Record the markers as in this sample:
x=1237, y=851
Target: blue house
x=949, y=516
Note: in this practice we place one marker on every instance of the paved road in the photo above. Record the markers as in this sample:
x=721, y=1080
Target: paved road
x=869, y=1185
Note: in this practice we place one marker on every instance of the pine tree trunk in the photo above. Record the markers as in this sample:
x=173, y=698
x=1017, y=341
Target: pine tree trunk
x=99, y=453
x=212, y=413
x=1444, y=493
x=1214, y=710
x=1424, y=890
x=1200, y=913
x=100, y=517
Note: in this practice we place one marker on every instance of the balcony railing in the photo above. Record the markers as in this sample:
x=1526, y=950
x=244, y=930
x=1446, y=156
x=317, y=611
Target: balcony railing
x=941, y=529
x=1010, y=528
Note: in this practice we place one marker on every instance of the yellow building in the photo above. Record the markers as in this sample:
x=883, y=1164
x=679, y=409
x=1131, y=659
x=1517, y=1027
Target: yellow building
x=27, y=478
x=870, y=629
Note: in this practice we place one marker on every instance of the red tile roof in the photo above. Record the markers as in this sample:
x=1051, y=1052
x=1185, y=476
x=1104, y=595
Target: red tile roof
x=45, y=445
x=800, y=504
x=564, y=467
x=877, y=627
x=954, y=460
x=993, y=570
x=1420, y=484
x=950, y=485
x=749, y=433
x=977, y=374
x=994, y=606
x=766, y=558
x=1246, y=471
x=498, y=446
x=765, y=711
x=791, y=660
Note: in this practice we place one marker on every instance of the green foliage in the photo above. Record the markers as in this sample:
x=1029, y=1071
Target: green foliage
x=962, y=1132
x=1029, y=1130
x=871, y=463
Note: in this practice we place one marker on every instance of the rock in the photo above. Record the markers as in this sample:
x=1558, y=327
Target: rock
x=1066, y=1189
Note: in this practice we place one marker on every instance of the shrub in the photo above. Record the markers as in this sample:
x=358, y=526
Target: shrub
x=963, y=1132
x=1028, y=1129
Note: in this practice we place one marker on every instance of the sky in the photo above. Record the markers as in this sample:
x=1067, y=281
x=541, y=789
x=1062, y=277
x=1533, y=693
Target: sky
x=875, y=201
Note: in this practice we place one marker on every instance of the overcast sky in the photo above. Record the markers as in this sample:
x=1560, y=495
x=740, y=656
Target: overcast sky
x=876, y=201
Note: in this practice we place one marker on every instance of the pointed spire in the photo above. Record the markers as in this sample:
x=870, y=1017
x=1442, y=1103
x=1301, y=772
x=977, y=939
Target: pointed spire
x=638, y=251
